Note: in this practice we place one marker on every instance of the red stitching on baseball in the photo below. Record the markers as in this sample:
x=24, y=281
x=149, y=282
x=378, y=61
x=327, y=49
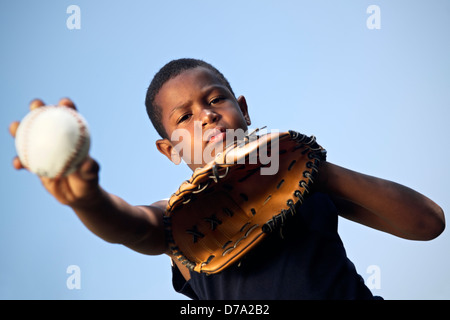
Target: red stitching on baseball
x=80, y=142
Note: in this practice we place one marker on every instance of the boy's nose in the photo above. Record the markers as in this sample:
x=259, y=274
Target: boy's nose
x=209, y=116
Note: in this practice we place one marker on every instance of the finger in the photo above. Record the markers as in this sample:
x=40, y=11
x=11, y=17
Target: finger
x=17, y=164
x=89, y=169
x=13, y=128
x=66, y=102
x=36, y=103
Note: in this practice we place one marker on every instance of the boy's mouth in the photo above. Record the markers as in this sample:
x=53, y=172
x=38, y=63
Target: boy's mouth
x=217, y=134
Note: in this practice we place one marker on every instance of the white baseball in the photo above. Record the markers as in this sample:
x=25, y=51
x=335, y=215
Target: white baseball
x=52, y=141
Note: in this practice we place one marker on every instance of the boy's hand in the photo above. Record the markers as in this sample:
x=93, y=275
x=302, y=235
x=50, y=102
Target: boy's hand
x=77, y=189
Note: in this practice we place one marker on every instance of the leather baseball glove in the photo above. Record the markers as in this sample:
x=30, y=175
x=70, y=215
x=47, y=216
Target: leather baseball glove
x=228, y=206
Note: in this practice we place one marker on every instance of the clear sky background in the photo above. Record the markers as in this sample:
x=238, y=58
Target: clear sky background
x=378, y=100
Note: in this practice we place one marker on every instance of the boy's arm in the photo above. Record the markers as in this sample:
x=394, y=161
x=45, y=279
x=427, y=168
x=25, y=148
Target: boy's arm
x=108, y=216
x=114, y=220
x=382, y=204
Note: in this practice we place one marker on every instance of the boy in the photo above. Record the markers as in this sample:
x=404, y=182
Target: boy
x=308, y=263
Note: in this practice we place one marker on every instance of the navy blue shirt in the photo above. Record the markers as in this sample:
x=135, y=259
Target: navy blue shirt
x=308, y=262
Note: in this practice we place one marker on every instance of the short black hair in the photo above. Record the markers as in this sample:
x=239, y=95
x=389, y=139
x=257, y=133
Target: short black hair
x=167, y=72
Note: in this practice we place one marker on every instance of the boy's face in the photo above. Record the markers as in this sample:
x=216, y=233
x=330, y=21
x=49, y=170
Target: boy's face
x=197, y=112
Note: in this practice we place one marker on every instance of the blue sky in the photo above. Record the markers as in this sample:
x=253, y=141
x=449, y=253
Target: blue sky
x=377, y=100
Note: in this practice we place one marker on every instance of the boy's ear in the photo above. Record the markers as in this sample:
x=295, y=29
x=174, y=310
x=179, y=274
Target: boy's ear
x=243, y=106
x=166, y=148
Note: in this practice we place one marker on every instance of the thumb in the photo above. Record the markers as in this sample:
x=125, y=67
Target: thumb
x=89, y=170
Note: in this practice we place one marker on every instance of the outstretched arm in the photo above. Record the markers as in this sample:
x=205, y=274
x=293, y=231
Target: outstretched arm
x=114, y=220
x=382, y=204
x=108, y=216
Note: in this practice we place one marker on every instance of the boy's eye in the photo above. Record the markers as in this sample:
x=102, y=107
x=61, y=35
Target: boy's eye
x=216, y=100
x=183, y=118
